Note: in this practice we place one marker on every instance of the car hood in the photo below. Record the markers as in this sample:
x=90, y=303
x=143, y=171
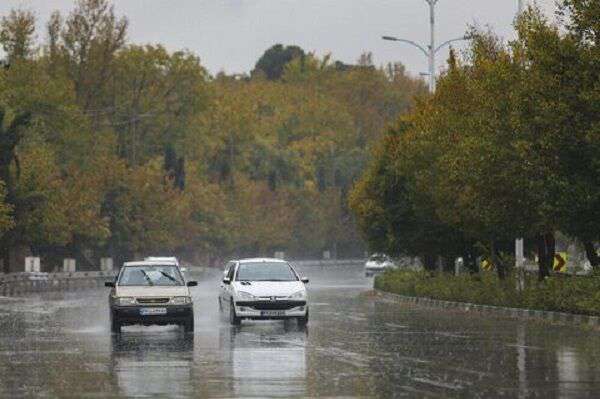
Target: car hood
x=152, y=291
x=270, y=288
x=375, y=264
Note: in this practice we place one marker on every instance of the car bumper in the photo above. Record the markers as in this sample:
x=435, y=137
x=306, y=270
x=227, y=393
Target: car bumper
x=370, y=271
x=176, y=314
x=270, y=310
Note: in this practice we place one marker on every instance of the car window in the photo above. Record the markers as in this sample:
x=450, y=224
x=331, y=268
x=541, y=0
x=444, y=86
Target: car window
x=265, y=271
x=231, y=272
x=154, y=275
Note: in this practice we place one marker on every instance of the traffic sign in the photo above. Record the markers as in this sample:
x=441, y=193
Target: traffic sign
x=560, y=262
x=487, y=265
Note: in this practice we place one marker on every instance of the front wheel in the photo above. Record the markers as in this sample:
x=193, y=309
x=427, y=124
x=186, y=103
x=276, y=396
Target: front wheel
x=188, y=325
x=115, y=326
x=303, y=320
x=233, y=319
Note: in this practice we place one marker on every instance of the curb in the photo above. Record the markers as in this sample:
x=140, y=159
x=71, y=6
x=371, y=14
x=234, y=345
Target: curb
x=517, y=313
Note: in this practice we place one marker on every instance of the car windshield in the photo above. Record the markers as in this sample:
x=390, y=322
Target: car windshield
x=265, y=271
x=379, y=258
x=154, y=275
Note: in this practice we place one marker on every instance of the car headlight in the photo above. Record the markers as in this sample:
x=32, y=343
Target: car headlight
x=245, y=295
x=181, y=300
x=125, y=301
x=298, y=295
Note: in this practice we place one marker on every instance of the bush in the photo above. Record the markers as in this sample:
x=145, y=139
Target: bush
x=572, y=294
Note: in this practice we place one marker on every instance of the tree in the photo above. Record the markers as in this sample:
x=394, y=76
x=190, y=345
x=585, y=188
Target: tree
x=157, y=101
x=11, y=133
x=17, y=32
x=395, y=216
x=85, y=48
x=274, y=60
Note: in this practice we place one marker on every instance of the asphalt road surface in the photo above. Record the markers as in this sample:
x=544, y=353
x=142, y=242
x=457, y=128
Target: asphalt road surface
x=356, y=345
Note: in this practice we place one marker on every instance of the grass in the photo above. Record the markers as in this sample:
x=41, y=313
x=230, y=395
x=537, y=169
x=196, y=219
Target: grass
x=580, y=295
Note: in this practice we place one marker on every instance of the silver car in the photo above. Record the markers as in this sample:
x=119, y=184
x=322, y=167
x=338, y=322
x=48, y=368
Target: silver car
x=150, y=292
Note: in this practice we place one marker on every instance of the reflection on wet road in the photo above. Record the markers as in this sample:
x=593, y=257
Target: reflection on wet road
x=355, y=345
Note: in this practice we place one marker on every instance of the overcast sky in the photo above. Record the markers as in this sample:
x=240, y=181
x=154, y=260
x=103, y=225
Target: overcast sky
x=230, y=35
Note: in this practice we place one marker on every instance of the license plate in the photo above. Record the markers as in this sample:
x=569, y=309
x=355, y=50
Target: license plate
x=152, y=311
x=272, y=313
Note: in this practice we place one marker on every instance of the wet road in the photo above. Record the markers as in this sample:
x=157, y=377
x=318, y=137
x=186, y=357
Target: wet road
x=355, y=345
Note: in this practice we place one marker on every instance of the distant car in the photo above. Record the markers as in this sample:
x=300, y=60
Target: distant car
x=263, y=288
x=150, y=292
x=378, y=263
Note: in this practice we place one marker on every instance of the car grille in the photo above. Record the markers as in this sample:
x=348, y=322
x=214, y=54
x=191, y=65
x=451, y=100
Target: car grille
x=271, y=305
x=152, y=301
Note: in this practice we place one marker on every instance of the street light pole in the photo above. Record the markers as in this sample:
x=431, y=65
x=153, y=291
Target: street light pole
x=432, y=4
x=519, y=242
x=431, y=50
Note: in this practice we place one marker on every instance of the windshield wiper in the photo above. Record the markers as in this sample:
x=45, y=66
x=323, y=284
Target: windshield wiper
x=167, y=275
x=148, y=279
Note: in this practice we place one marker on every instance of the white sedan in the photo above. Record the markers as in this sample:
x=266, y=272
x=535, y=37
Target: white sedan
x=263, y=288
x=378, y=263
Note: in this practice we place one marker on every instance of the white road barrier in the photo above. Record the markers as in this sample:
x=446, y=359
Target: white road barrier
x=14, y=284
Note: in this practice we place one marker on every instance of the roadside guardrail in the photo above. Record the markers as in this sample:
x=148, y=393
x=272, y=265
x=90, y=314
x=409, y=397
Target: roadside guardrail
x=15, y=284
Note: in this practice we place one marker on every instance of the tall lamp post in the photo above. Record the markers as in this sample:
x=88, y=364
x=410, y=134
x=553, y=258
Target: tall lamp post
x=431, y=50
x=519, y=242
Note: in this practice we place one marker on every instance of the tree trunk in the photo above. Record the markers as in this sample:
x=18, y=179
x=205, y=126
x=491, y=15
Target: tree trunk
x=429, y=262
x=497, y=261
x=542, y=254
x=5, y=256
x=592, y=255
x=551, y=247
x=470, y=263
x=546, y=249
x=448, y=264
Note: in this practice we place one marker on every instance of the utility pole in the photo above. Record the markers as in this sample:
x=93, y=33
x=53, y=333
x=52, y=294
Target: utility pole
x=431, y=50
x=432, y=4
x=519, y=243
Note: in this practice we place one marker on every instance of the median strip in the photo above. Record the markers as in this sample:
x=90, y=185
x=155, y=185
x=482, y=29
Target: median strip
x=559, y=317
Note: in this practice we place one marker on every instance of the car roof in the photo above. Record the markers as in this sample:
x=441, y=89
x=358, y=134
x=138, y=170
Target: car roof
x=258, y=260
x=162, y=259
x=149, y=263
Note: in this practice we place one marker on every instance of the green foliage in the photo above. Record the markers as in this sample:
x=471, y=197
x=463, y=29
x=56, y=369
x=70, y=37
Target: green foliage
x=275, y=59
x=17, y=34
x=506, y=147
x=562, y=293
x=115, y=149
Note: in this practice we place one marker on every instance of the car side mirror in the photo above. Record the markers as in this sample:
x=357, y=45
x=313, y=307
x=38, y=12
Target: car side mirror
x=305, y=280
x=226, y=280
x=109, y=284
x=192, y=283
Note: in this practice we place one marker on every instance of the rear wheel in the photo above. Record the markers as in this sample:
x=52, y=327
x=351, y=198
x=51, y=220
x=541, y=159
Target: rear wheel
x=233, y=319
